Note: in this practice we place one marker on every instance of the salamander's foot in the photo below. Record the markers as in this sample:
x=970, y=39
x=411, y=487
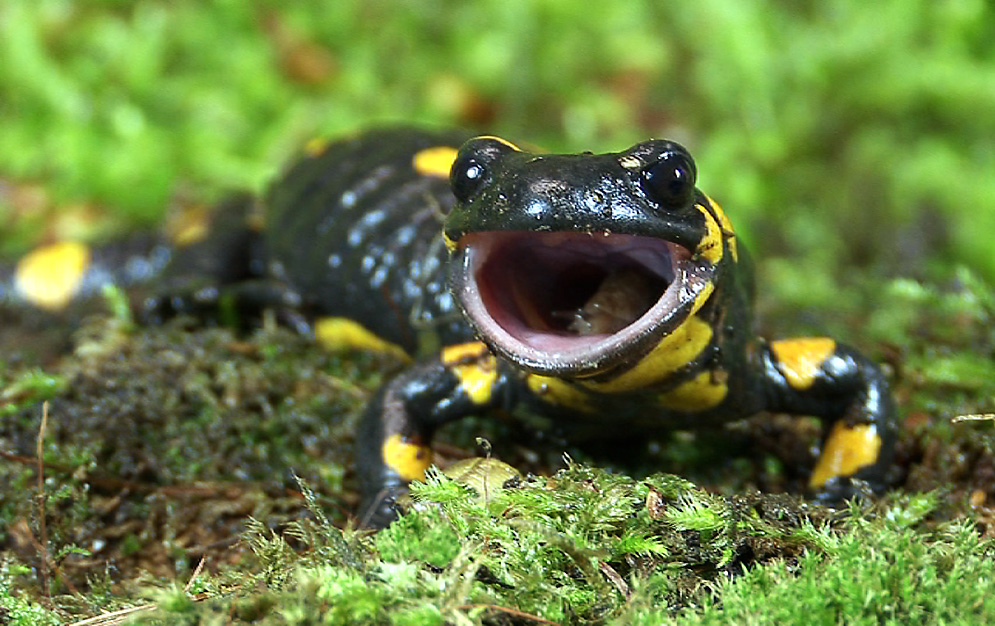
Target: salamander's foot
x=379, y=510
x=841, y=489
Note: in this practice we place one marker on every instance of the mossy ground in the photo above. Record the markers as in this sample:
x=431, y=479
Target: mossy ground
x=851, y=145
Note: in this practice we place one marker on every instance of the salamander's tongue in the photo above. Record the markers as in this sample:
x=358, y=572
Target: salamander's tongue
x=621, y=298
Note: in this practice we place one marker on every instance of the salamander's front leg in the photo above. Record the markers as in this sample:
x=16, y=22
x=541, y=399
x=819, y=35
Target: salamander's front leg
x=817, y=376
x=395, y=434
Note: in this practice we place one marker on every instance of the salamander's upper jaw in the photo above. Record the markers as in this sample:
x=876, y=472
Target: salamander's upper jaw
x=574, y=265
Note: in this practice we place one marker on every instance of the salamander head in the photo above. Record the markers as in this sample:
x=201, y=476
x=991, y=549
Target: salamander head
x=575, y=264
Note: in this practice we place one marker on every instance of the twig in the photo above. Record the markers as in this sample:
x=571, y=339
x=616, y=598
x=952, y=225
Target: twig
x=975, y=417
x=509, y=611
x=114, y=617
x=42, y=529
x=196, y=573
x=615, y=580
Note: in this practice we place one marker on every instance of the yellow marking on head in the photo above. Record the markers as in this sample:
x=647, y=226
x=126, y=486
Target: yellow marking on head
x=727, y=230
x=474, y=366
x=409, y=460
x=50, y=276
x=673, y=352
x=340, y=333
x=846, y=451
x=799, y=359
x=704, y=391
x=710, y=246
x=189, y=226
x=450, y=244
x=316, y=146
x=436, y=161
x=500, y=140
x=463, y=353
x=559, y=392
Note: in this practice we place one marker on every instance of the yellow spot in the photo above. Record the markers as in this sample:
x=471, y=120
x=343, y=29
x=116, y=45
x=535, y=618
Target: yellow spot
x=49, y=277
x=847, y=450
x=450, y=244
x=409, y=460
x=559, y=392
x=799, y=359
x=435, y=161
x=463, y=353
x=710, y=246
x=727, y=230
x=474, y=366
x=673, y=352
x=316, y=146
x=189, y=226
x=704, y=391
x=339, y=333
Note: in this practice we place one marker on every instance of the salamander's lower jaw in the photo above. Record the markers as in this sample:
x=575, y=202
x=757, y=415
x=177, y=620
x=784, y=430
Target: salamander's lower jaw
x=573, y=304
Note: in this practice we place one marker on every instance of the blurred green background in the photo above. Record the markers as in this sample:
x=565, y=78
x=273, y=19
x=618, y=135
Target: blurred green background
x=839, y=135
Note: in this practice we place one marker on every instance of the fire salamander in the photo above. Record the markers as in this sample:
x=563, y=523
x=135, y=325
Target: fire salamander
x=597, y=287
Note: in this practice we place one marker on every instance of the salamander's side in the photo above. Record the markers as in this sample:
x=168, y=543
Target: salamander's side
x=355, y=227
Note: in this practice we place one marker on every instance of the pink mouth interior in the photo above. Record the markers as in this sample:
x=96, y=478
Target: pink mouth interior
x=566, y=293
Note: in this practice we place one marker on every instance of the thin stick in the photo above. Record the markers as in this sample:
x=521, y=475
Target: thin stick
x=975, y=417
x=507, y=610
x=196, y=573
x=42, y=529
x=114, y=617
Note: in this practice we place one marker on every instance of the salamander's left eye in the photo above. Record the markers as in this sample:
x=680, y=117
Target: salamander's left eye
x=669, y=181
x=466, y=177
x=474, y=164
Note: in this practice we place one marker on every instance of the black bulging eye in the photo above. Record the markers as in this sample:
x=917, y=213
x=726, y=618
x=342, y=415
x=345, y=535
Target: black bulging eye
x=475, y=164
x=669, y=181
x=466, y=177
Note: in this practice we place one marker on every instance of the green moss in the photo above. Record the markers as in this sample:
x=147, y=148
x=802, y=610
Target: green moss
x=27, y=388
x=759, y=560
x=15, y=609
x=883, y=572
x=424, y=538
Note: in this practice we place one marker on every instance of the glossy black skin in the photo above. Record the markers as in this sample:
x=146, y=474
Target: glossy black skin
x=501, y=189
x=350, y=231
x=354, y=231
x=521, y=191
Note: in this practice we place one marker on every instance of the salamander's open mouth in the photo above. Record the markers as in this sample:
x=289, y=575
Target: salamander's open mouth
x=569, y=302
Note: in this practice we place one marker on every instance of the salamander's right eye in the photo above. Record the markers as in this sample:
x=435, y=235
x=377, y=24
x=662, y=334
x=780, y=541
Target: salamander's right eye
x=669, y=181
x=471, y=170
